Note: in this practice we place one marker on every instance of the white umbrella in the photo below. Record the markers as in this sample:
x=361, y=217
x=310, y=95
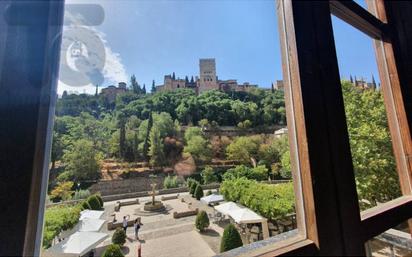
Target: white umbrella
x=77, y=244
x=245, y=216
x=212, y=199
x=227, y=208
x=90, y=214
x=90, y=225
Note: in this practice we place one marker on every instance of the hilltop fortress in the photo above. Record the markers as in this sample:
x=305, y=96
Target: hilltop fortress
x=206, y=80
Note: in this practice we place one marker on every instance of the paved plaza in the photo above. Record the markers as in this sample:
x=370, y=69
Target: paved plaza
x=161, y=235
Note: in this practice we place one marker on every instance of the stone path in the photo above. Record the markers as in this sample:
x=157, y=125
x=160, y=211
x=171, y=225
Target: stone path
x=187, y=244
x=162, y=235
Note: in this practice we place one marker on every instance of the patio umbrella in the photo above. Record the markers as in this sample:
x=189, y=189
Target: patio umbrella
x=212, y=199
x=78, y=244
x=246, y=216
x=90, y=214
x=227, y=208
x=90, y=225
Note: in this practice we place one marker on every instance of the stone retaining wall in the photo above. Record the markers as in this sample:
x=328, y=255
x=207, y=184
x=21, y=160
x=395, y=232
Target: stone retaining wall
x=123, y=186
x=160, y=192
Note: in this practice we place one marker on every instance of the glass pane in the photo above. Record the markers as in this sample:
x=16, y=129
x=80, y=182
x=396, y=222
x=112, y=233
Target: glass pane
x=366, y=4
x=174, y=113
x=370, y=140
x=393, y=242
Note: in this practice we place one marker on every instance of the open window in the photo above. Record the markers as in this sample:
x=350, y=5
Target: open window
x=329, y=219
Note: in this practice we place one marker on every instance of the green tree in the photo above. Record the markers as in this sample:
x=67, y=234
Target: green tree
x=63, y=191
x=208, y=175
x=153, y=90
x=82, y=161
x=193, y=187
x=230, y=239
x=94, y=203
x=370, y=142
x=286, y=170
x=119, y=237
x=134, y=85
x=202, y=221
x=199, y=148
x=157, y=157
x=147, y=135
x=198, y=192
x=170, y=182
x=259, y=173
x=192, y=132
x=113, y=250
x=244, y=149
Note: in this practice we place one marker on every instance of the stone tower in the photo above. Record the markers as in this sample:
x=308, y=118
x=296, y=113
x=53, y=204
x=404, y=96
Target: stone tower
x=208, y=78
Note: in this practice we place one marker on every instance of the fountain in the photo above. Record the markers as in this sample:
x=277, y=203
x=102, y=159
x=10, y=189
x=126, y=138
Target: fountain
x=153, y=205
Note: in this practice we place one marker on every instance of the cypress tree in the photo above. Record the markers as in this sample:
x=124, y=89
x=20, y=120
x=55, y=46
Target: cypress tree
x=153, y=87
x=198, y=192
x=146, y=140
x=231, y=239
x=156, y=153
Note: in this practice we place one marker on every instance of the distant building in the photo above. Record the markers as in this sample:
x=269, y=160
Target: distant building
x=207, y=80
x=111, y=92
x=362, y=83
x=279, y=85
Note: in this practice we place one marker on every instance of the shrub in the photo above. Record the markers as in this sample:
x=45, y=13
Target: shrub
x=94, y=202
x=208, y=175
x=113, y=250
x=209, y=192
x=62, y=191
x=57, y=219
x=85, y=205
x=231, y=239
x=99, y=197
x=81, y=194
x=198, y=192
x=258, y=173
x=193, y=187
x=119, y=237
x=202, y=221
x=170, y=182
x=189, y=182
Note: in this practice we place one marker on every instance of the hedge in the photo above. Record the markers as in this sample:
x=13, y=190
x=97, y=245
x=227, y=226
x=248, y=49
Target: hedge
x=271, y=201
x=57, y=219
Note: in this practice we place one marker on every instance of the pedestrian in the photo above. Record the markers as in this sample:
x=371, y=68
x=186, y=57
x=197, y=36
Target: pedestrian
x=137, y=225
x=125, y=220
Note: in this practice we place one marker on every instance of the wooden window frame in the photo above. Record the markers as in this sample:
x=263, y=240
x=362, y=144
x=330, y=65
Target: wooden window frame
x=329, y=221
x=334, y=225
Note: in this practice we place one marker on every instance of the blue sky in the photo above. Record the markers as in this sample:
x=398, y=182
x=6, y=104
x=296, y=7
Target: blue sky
x=153, y=38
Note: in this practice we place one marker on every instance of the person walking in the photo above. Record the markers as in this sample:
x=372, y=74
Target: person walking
x=125, y=220
x=137, y=225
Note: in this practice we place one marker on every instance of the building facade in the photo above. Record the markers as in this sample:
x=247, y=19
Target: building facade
x=111, y=92
x=207, y=80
